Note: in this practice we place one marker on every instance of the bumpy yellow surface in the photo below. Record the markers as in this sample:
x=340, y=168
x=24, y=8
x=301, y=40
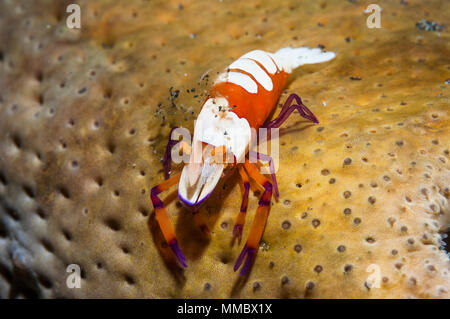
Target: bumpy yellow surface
x=85, y=115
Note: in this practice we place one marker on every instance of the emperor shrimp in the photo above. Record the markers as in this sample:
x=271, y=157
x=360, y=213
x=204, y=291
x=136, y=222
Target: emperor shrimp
x=240, y=102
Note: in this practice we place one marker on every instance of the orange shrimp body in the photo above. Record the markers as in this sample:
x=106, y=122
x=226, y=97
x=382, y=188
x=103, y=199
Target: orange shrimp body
x=255, y=107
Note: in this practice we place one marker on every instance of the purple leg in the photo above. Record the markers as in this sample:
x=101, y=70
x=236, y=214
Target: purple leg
x=240, y=220
x=167, y=162
x=269, y=159
x=288, y=108
x=250, y=253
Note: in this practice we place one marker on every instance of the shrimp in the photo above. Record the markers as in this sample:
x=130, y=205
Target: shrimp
x=241, y=100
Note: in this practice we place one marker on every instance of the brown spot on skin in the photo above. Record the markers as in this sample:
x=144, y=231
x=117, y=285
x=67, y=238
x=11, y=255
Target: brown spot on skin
x=347, y=194
x=315, y=222
x=310, y=285
x=391, y=221
x=286, y=225
x=398, y=265
x=348, y=268
x=431, y=268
